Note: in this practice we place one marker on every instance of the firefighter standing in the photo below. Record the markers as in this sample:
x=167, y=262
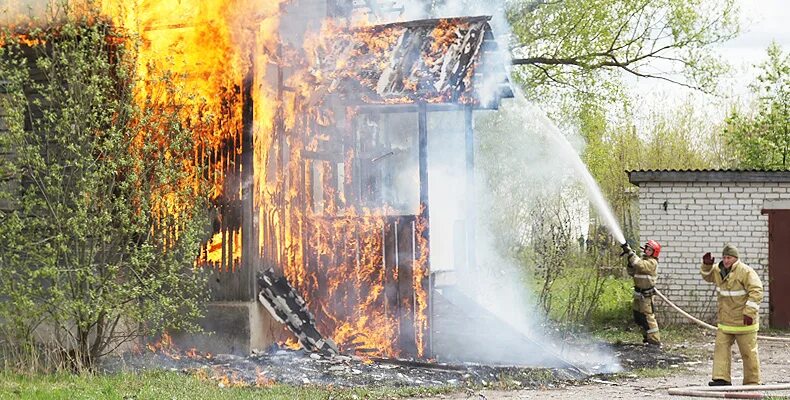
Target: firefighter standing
x=740, y=293
x=644, y=270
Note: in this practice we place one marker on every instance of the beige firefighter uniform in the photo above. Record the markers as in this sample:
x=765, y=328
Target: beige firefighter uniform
x=740, y=293
x=644, y=270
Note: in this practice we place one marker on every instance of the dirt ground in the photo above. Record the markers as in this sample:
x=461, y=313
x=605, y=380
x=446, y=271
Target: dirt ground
x=633, y=383
x=647, y=371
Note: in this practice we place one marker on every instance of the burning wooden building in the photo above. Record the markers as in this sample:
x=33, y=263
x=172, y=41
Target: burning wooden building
x=339, y=185
x=332, y=156
x=341, y=201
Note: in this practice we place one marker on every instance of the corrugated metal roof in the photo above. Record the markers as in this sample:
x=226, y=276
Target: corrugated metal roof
x=708, y=175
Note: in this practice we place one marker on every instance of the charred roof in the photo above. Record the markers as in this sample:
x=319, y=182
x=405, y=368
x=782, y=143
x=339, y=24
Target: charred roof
x=437, y=61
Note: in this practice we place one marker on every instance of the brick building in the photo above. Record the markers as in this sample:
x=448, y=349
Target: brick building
x=693, y=212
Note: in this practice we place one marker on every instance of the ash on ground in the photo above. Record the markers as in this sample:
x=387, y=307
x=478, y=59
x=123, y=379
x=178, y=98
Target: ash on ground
x=297, y=367
x=638, y=356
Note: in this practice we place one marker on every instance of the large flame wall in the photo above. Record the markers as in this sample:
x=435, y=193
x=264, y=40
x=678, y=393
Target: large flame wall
x=207, y=46
x=226, y=54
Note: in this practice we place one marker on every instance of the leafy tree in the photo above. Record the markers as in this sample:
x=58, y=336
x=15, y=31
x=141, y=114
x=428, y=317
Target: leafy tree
x=678, y=139
x=762, y=140
x=584, y=47
x=104, y=206
x=573, y=57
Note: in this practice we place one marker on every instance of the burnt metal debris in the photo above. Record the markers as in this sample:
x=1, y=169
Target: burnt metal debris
x=287, y=307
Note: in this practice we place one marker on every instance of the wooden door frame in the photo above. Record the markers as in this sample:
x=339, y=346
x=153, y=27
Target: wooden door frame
x=781, y=208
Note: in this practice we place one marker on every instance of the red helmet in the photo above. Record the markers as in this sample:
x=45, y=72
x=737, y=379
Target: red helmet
x=655, y=246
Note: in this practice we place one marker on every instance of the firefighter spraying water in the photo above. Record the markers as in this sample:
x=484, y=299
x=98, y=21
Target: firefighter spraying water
x=644, y=270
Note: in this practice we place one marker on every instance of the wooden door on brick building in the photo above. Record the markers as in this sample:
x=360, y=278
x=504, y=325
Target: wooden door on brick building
x=779, y=267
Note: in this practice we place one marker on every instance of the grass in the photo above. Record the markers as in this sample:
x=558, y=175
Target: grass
x=175, y=386
x=613, y=305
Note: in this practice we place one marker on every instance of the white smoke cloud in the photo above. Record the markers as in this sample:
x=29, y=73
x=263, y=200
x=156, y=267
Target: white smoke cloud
x=14, y=12
x=501, y=323
x=495, y=290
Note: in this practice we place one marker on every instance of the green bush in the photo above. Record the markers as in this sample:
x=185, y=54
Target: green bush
x=585, y=296
x=107, y=209
x=614, y=304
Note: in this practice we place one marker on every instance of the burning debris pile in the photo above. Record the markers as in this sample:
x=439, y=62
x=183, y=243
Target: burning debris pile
x=298, y=367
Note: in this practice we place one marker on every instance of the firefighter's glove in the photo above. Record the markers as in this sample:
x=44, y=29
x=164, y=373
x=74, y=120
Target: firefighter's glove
x=626, y=249
x=707, y=259
x=747, y=320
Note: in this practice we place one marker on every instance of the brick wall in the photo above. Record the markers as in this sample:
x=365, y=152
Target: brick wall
x=691, y=218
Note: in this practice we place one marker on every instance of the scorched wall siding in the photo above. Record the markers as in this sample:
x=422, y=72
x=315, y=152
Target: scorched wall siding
x=691, y=218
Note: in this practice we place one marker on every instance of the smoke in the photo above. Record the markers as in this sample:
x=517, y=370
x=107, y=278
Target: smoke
x=483, y=310
x=14, y=12
x=421, y=9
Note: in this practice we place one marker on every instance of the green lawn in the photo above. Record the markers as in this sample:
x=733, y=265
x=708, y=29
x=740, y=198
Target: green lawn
x=173, y=385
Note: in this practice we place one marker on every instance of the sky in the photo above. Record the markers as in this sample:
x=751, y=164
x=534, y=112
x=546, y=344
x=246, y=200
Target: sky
x=762, y=21
x=652, y=100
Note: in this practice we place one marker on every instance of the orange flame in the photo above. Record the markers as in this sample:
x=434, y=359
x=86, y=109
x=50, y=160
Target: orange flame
x=309, y=222
x=291, y=343
x=206, y=46
x=165, y=346
x=261, y=380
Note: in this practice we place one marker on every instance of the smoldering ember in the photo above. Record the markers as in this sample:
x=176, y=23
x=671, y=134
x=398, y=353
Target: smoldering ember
x=319, y=362
x=300, y=367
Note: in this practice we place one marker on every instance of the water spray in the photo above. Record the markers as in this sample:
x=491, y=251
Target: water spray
x=571, y=156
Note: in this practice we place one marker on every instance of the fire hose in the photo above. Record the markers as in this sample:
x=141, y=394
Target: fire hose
x=711, y=327
x=727, y=393
x=724, y=392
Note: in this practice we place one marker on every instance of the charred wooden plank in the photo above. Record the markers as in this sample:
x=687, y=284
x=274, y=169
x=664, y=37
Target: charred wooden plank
x=406, y=62
x=287, y=306
x=405, y=244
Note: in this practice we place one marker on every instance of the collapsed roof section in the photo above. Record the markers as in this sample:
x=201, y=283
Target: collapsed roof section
x=437, y=61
